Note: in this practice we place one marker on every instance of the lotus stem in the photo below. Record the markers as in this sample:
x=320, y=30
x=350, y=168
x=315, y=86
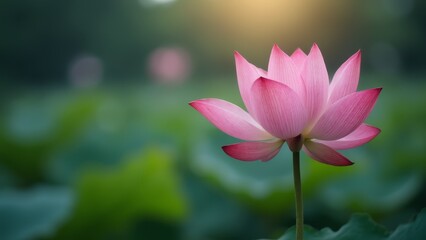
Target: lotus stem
x=298, y=195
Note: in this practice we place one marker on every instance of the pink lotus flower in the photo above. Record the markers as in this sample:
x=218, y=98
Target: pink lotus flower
x=293, y=101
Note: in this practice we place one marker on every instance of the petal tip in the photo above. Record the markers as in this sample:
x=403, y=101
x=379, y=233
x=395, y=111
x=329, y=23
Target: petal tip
x=231, y=151
x=325, y=154
x=356, y=56
x=252, y=151
x=358, y=53
x=275, y=47
x=342, y=163
x=278, y=52
x=316, y=51
x=376, y=130
x=372, y=92
x=298, y=51
x=378, y=90
x=193, y=103
x=349, y=164
x=196, y=104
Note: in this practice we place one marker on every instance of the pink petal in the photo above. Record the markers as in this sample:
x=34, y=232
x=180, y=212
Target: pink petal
x=250, y=151
x=299, y=58
x=325, y=154
x=278, y=108
x=262, y=72
x=360, y=136
x=345, y=115
x=316, y=80
x=345, y=81
x=231, y=119
x=247, y=73
x=281, y=68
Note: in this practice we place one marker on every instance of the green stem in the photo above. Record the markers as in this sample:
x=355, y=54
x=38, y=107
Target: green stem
x=298, y=195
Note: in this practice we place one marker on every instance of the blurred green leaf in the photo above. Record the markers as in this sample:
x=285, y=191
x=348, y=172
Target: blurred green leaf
x=145, y=186
x=26, y=156
x=266, y=186
x=215, y=215
x=74, y=117
x=361, y=226
x=371, y=190
x=411, y=231
x=33, y=213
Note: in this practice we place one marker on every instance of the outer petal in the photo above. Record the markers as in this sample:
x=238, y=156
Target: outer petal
x=247, y=73
x=278, y=108
x=345, y=115
x=316, y=81
x=250, y=151
x=282, y=68
x=360, y=136
x=299, y=58
x=325, y=154
x=231, y=119
x=345, y=81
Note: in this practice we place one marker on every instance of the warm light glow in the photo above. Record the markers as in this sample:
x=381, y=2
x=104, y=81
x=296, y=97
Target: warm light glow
x=255, y=25
x=155, y=2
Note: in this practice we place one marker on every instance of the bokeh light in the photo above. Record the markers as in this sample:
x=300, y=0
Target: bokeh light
x=169, y=65
x=85, y=71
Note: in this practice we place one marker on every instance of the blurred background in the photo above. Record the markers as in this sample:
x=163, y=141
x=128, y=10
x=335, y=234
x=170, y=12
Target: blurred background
x=97, y=140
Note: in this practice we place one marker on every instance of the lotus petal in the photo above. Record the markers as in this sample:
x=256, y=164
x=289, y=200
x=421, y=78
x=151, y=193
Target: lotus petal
x=299, y=58
x=315, y=78
x=251, y=151
x=231, y=119
x=363, y=134
x=282, y=68
x=247, y=73
x=345, y=115
x=345, y=81
x=325, y=154
x=278, y=108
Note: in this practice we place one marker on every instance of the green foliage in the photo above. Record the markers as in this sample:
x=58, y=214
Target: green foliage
x=267, y=187
x=25, y=154
x=361, y=226
x=412, y=231
x=33, y=213
x=145, y=186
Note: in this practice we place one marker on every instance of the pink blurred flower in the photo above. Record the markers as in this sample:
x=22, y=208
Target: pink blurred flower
x=170, y=65
x=293, y=101
x=86, y=71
